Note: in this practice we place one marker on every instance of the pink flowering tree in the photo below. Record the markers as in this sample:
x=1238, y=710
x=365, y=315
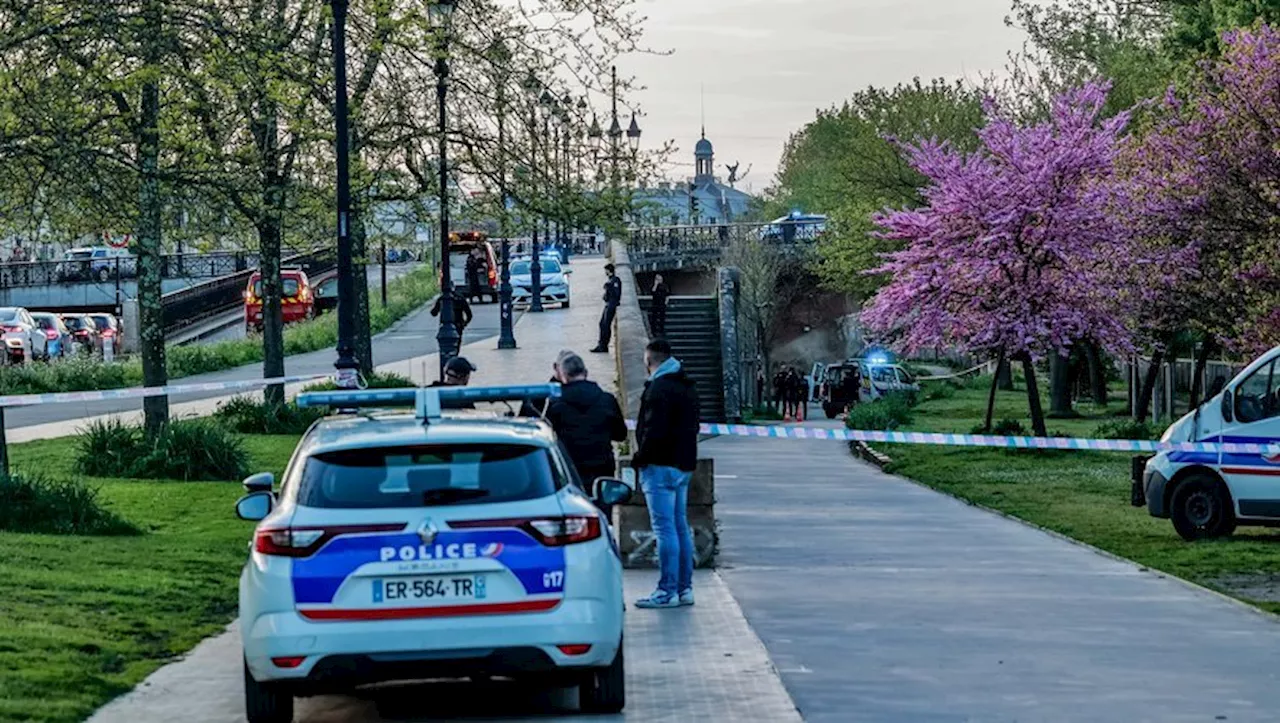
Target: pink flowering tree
x=1016, y=253
x=1206, y=177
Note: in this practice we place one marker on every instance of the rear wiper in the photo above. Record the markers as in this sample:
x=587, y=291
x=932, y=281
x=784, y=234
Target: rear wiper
x=449, y=495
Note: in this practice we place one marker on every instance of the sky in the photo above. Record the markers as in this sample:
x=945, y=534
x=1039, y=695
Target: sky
x=768, y=65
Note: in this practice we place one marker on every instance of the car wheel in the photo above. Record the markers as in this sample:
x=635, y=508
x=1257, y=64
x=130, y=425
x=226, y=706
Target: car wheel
x=605, y=690
x=104, y=274
x=264, y=703
x=1201, y=508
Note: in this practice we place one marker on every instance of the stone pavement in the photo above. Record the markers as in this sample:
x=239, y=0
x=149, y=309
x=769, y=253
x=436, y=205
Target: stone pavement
x=699, y=663
x=881, y=600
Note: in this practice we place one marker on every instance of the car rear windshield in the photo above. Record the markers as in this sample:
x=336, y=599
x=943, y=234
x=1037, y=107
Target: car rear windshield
x=288, y=287
x=45, y=322
x=8, y=314
x=102, y=322
x=74, y=322
x=426, y=476
x=80, y=254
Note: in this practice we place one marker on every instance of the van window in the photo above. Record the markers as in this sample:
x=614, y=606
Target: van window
x=428, y=476
x=288, y=287
x=1256, y=397
x=883, y=374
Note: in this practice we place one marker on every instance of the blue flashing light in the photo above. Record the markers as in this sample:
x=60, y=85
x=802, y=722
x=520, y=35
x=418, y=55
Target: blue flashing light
x=428, y=401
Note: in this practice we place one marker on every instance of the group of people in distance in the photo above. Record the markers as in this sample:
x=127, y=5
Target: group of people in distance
x=791, y=392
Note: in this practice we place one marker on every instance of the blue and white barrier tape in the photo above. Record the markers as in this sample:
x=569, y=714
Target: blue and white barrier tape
x=1271, y=449
x=28, y=400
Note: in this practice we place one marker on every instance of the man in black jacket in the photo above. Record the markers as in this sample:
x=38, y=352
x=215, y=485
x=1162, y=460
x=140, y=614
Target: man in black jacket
x=587, y=419
x=461, y=312
x=666, y=455
x=658, y=306
x=612, y=298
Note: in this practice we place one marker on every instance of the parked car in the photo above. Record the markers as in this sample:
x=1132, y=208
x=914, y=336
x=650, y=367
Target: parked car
x=57, y=333
x=23, y=338
x=95, y=263
x=405, y=546
x=84, y=333
x=1208, y=494
x=554, y=279
x=326, y=295
x=109, y=330
x=295, y=297
x=795, y=227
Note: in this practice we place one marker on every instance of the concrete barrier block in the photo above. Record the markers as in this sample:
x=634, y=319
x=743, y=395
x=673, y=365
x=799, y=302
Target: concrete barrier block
x=702, y=487
x=639, y=547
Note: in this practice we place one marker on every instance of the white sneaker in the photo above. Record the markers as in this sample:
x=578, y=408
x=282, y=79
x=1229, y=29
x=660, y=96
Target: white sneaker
x=658, y=599
x=686, y=597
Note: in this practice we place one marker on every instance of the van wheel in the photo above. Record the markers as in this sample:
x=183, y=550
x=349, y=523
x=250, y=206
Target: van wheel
x=1201, y=509
x=604, y=690
x=264, y=703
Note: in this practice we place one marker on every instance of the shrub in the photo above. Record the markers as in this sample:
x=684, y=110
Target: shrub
x=1125, y=429
x=938, y=390
x=379, y=380
x=48, y=507
x=188, y=450
x=1003, y=428
x=247, y=415
x=888, y=413
x=68, y=375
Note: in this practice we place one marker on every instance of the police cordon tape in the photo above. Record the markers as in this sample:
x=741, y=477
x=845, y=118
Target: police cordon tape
x=29, y=400
x=980, y=440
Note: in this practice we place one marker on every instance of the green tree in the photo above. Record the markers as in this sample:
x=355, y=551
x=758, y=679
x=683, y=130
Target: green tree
x=847, y=163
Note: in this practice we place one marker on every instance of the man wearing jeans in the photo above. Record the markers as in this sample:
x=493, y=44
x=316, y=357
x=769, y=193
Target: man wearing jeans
x=666, y=455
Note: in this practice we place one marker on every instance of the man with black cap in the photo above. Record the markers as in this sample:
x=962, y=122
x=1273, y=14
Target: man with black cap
x=457, y=373
x=612, y=298
x=461, y=311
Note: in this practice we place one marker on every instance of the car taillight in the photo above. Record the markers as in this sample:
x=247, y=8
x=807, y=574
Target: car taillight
x=10, y=328
x=493, y=275
x=550, y=531
x=304, y=541
x=108, y=332
x=50, y=334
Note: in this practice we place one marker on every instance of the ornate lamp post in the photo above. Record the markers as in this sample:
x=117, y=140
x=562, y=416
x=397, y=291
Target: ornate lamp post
x=346, y=364
x=506, y=335
x=447, y=339
x=537, y=98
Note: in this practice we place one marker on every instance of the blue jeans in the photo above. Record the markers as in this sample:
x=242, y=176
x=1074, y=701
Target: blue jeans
x=666, y=490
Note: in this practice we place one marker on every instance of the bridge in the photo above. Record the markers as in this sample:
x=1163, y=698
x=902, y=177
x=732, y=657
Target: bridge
x=700, y=248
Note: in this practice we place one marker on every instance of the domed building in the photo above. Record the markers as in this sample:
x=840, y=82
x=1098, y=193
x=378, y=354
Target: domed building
x=700, y=201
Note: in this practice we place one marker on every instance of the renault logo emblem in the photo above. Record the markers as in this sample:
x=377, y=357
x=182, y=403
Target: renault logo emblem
x=428, y=531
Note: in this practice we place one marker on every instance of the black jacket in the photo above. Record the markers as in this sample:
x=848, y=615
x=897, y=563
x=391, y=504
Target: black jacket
x=587, y=419
x=667, y=430
x=661, y=293
x=613, y=291
x=461, y=310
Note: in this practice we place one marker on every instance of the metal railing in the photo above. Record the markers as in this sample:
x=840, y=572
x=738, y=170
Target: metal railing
x=666, y=248
x=103, y=270
x=196, y=303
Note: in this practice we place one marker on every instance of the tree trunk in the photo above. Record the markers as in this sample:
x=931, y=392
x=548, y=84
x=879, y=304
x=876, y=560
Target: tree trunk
x=1207, y=350
x=1148, y=387
x=1004, y=376
x=1001, y=363
x=269, y=234
x=1060, y=386
x=359, y=254
x=150, y=206
x=1097, y=374
x=1033, y=399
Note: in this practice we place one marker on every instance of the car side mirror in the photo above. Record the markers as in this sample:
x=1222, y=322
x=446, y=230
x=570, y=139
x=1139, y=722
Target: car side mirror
x=610, y=491
x=261, y=482
x=255, y=506
x=1228, y=407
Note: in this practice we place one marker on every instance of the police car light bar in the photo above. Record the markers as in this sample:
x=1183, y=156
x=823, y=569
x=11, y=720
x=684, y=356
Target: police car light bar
x=428, y=401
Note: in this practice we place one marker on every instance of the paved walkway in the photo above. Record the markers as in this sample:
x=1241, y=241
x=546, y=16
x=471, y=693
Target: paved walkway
x=700, y=663
x=880, y=600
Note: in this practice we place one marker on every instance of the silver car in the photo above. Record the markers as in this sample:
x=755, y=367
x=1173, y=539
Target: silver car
x=23, y=338
x=554, y=278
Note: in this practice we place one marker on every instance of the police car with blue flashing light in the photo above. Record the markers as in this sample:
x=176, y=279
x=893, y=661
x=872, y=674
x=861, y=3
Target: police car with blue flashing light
x=415, y=545
x=1209, y=493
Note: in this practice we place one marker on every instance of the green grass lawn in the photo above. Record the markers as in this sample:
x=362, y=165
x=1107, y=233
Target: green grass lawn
x=1083, y=495
x=84, y=619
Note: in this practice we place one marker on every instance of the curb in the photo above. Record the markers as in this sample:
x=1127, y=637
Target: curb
x=875, y=457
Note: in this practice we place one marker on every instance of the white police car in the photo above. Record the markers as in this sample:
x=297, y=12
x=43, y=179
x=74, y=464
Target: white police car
x=405, y=546
x=553, y=277
x=1208, y=493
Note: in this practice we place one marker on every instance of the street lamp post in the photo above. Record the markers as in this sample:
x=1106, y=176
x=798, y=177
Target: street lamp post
x=506, y=334
x=447, y=338
x=346, y=364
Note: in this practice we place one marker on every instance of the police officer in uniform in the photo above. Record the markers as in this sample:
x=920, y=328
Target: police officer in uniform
x=612, y=298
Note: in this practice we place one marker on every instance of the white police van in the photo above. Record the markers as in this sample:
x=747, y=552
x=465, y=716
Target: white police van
x=1207, y=494
x=408, y=546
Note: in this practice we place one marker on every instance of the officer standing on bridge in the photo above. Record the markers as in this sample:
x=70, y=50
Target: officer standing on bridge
x=612, y=298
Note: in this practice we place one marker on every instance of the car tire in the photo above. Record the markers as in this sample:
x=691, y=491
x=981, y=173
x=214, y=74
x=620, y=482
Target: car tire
x=604, y=690
x=264, y=703
x=104, y=274
x=1201, y=508
x=566, y=304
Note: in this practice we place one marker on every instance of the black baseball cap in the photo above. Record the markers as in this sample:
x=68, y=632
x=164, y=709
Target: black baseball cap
x=460, y=366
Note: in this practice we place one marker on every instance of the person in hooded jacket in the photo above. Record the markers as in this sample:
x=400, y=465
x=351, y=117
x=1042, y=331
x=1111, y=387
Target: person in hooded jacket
x=587, y=419
x=666, y=456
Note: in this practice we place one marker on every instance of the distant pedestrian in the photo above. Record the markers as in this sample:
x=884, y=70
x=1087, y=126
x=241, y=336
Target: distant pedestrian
x=457, y=373
x=477, y=269
x=612, y=298
x=587, y=420
x=780, y=390
x=760, y=400
x=461, y=311
x=801, y=387
x=658, y=307
x=666, y=455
